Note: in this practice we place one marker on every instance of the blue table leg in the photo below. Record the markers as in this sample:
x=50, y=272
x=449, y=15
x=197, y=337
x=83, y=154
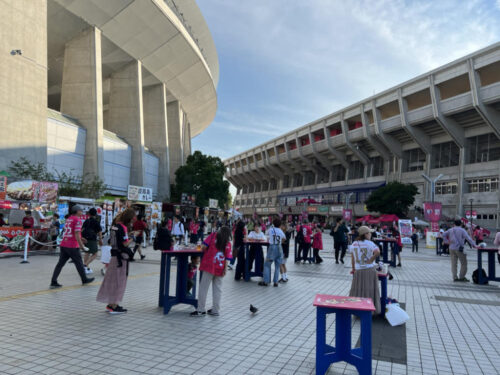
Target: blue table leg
x=385, y=251
x=162, y=280
x=383, y=298
x=246, y=276
x=343, y=334
x=181, y=287
x=392, y=263
x=364, y=365
x=491, y=266
x=325, y=354
x=166, y=295
x=480, y=266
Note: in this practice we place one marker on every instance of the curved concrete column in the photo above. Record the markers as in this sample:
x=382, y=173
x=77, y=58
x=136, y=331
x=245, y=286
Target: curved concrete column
x=125, y=115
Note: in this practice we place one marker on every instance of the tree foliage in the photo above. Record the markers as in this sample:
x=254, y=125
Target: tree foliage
x=394, y=198
x=202, y=176
x=72, y=185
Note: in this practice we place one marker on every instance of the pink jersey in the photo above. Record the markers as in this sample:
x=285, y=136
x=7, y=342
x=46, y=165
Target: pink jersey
x=317, y=241
x=214, y=261
x=307, y=232
x=73, y=224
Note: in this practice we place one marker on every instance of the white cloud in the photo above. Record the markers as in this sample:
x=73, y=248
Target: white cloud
x=291, y=62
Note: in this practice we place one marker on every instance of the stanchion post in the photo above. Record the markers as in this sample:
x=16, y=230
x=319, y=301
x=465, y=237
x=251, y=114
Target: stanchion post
x=26, y=242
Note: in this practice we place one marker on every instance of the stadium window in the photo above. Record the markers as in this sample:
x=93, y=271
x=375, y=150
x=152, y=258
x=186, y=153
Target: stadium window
x=356, y=170
x=482, y=185
x=447, y=187
x=445, y=155
x=483, y=148
x=413, y=160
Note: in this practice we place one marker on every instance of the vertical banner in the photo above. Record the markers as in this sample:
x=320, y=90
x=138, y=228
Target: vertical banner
x=432, y=211
x=405, y=231
x=3, y=187
x=347, y=214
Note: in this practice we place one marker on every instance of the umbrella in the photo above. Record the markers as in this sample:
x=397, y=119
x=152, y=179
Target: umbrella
x=374, y=220
x=420, y=223
x=365, y=218
x=388, y=218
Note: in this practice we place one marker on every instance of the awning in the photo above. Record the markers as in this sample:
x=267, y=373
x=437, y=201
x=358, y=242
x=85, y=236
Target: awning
x=357, y=188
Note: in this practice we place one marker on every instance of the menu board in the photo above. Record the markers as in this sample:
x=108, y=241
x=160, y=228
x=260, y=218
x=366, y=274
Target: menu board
x=140, y=193
x=47, y=192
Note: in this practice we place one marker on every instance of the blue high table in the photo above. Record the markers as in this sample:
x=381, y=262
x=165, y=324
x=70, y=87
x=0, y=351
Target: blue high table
x=343, y=307
x=491, y=274
x=165, y=300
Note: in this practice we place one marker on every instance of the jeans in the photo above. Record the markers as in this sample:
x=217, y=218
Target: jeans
x=65, y=254
x=340, y=248
x=274, y=254
x=414, y=246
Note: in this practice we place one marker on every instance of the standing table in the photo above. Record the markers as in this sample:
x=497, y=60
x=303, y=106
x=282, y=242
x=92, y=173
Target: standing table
x=385, y=243
x=344, y=307
x=248, y=273
x=491, y=251
x=165, y=300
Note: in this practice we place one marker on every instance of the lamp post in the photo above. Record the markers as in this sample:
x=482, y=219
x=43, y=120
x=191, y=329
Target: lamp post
x=471, y=200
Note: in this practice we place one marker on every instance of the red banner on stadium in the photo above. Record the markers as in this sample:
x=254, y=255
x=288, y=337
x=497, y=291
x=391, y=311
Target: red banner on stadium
x=432, y=211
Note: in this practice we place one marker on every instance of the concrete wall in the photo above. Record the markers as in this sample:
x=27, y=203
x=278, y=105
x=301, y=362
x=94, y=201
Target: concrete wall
x=65, y=147
x=151, y=163
x=117, y=162
x=23, y=81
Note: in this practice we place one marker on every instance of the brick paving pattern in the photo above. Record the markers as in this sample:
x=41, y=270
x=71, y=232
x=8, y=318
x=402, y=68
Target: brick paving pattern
x=454, y=328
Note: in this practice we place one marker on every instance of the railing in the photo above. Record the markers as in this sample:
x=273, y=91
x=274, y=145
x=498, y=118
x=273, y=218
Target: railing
x=173, y=6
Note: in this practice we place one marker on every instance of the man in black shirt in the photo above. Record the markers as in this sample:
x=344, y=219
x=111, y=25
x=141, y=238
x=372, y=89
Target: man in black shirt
x=91, y=232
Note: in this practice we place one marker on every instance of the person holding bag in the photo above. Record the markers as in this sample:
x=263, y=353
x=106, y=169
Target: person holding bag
x=115, y=279
x=456, y=237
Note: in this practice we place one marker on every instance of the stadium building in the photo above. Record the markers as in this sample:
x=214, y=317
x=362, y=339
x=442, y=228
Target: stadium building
x=113, y=88
x=446, y=121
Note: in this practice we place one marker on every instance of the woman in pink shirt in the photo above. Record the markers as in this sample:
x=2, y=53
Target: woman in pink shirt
x=217, y=251
x=317, y=244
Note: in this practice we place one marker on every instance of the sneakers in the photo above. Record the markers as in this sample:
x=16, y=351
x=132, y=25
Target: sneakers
x=230, y=268
x=198, y=313
x=262, y=283
x=103, y=271
x=55, y=285
x=88, y=281
x=116, y=310
x=464, y=279
x=143, y=256
x=281, y=280
x=399, y=265
x=275, y=284
x=212, y=312
x=88, y=270
x=342, y=260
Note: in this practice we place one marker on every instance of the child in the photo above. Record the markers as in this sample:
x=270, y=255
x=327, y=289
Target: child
x=192, y=268
x=317, y=244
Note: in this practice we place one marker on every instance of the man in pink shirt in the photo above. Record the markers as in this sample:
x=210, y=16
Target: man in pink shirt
x=70, y=247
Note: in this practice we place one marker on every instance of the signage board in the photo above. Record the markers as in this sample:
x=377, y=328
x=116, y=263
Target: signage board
x=3, y=187
x=139, y=193
x=336, y=209
x=213, y=203
x=405, y=231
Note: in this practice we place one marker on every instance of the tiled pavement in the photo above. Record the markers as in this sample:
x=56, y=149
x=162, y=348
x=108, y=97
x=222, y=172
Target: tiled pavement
x=67, y=332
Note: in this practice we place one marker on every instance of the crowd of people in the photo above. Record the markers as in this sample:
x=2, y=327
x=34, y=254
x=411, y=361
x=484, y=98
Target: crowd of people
x=224, y=249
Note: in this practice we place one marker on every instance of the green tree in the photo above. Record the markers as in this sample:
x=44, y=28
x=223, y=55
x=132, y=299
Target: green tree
x=394, y=198
x=202, y=176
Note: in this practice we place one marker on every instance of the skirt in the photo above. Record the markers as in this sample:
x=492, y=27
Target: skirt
x=114, y=283
x=365, y=284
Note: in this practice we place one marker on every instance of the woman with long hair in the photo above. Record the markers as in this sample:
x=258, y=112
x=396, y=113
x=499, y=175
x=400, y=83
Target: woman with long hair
x=217, y=251
x=239, y=250
x=365, y=280
x=115, y=280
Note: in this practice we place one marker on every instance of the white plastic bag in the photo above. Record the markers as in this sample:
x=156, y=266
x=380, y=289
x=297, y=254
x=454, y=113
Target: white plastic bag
x=105, y=254
x=395, y=315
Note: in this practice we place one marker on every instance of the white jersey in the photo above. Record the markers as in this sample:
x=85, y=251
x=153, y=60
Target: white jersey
x=363, y=251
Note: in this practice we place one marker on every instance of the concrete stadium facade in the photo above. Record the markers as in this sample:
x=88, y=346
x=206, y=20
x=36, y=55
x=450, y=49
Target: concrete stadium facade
x=111, y=88
x=446, y=121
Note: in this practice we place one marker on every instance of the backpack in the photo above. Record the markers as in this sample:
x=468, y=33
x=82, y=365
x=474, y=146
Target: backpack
x=475, y=276
x=87, y=231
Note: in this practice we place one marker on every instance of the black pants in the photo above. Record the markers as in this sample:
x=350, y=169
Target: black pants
x=317, y=258
x=190, y=284
x=340, y=248
x=256, y=254
x=65, y=254
x=305, y=251
x=240, y=266
x=414, y=246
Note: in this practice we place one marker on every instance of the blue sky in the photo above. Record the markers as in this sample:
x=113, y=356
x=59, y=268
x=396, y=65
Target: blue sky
x=284, y=63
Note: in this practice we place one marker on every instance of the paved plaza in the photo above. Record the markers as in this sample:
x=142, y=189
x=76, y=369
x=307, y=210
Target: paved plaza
x=454, y=328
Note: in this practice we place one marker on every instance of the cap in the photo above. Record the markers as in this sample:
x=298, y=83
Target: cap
x=75, y=209
x=364, y=229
